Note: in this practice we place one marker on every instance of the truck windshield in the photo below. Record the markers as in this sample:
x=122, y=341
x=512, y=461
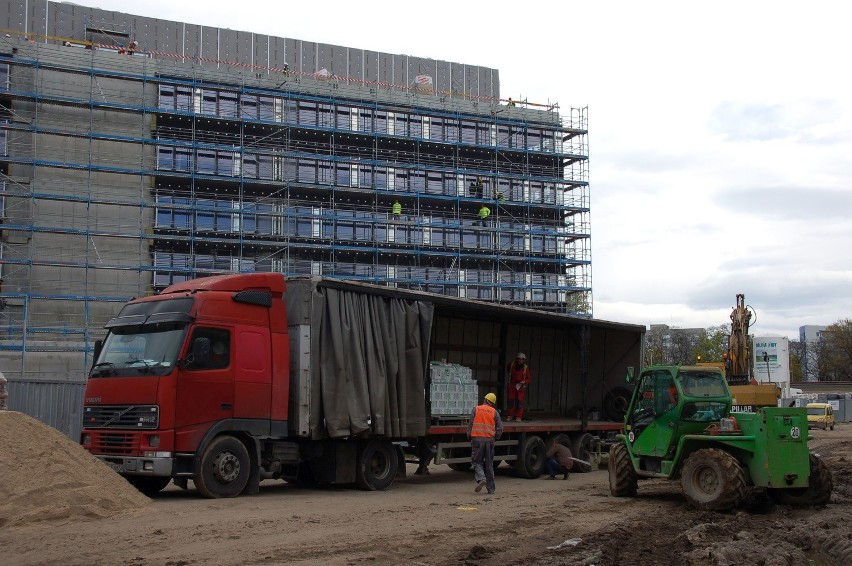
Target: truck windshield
x=697, y=383
x=140, y=350
x=818, y=411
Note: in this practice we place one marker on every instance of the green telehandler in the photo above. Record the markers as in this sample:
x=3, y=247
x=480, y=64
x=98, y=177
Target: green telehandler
x=679, y=425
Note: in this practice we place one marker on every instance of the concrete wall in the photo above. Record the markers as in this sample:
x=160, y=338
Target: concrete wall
x=67, y=20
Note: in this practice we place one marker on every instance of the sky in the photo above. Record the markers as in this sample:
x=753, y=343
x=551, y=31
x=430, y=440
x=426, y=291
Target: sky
x=720, y=134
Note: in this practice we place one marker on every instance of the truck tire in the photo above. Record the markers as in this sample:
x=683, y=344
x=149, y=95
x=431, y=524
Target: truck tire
x=713, y=480
x=376, y=466
x=530, y=462
x=224, y=468
x=615, y=403
x=623, y=481
x=582, y=447
x=818, y=492
x=149, y=486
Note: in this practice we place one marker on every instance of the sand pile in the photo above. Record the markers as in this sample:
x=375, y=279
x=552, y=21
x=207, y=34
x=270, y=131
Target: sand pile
x=44, y=476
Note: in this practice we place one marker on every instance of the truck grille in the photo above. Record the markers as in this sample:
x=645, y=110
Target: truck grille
x=115, y=443
x=121, y=416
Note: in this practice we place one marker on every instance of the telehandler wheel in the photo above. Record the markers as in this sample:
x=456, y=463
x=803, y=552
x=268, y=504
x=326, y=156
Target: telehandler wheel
x=818, y=492
x=149, y=486
x=713, y=480
x=224, y=468
x=623, y=481
x=376, y=466
x=530, y=462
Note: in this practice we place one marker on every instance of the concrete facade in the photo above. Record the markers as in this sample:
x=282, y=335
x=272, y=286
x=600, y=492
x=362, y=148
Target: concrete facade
x=198, y=155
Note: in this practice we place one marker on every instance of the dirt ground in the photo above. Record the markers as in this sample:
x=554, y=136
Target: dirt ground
x=439, y=520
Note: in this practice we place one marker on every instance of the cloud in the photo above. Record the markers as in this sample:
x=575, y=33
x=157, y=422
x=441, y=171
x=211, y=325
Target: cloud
x=798, y=203
x=809, y=120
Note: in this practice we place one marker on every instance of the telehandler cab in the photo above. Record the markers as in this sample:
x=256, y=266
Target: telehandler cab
x=679, y=425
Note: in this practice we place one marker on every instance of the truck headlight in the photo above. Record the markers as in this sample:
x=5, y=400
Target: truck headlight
x=156, y=454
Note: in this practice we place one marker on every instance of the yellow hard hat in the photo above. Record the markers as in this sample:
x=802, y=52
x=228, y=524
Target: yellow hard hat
x=490, y=397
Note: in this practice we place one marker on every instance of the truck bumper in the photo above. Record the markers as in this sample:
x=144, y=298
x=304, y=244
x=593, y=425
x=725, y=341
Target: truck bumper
x=139, y=465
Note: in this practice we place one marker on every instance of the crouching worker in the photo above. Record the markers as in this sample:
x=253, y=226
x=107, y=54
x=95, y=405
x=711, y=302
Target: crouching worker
x=484, y=428
x=558, y=460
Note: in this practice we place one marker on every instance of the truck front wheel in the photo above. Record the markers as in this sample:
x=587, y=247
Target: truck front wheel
x=818, y=492
x=623, y=481
x=713, y=480
x=376, y=466
x=223, y=470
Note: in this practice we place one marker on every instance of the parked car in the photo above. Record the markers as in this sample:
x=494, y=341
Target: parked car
x=820, y=415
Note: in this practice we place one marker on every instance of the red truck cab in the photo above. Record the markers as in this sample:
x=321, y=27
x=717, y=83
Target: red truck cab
x=204, y=356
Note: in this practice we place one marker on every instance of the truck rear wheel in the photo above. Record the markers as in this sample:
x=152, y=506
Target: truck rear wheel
x=224, y=468
x=530, y=462
x=713, y=480
x=376, y=466
x=149, y=486
x=818, y=492
x=581, y=448
x=623, y=481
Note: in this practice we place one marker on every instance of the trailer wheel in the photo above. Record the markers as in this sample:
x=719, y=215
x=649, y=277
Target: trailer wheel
x=530, y=462
x=818, y=492
x=623, y=481
x=149, y=486
x=582, y=447
x=224, y=468
x=460, y=466
x=376, y=466
x=713, y=480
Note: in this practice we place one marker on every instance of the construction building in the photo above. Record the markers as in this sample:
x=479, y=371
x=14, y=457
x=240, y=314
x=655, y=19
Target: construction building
x=137, y=152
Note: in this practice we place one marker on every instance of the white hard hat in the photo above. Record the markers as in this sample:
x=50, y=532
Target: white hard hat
x=521, y=355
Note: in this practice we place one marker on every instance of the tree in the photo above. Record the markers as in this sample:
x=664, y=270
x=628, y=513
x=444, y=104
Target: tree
x=796, y=361
x=712, y=344
x=835, y=352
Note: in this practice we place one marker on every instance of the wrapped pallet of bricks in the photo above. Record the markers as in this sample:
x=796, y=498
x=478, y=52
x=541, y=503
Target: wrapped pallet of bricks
x=453, y=391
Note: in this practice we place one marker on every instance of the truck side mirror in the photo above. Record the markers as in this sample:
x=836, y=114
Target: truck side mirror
x=200, y=355
x=99, y=345
x=629, y=378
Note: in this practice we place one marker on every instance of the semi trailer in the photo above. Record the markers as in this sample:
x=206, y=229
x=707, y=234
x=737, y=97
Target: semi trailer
x=234, y=379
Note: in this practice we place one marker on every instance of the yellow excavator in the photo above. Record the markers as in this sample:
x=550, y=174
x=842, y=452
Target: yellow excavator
x=738, y=365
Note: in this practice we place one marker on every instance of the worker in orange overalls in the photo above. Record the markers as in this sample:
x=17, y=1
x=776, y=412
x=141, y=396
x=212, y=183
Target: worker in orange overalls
x=483, y=429
x=516, y=391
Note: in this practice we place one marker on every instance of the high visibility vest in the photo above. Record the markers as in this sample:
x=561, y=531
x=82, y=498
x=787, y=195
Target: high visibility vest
x=484, y=423
x=397, y=208
x=484, y=212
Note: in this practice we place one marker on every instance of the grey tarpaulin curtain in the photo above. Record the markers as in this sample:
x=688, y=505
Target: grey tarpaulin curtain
x=369, y=356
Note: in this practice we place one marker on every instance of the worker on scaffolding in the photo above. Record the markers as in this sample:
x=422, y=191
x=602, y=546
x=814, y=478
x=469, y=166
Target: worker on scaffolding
x=511, y=102
x=475, y=188
x=396, y=210
x=484, y=213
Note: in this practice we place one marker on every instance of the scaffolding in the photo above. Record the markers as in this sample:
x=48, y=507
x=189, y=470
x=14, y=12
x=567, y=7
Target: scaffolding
x=124, y=173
